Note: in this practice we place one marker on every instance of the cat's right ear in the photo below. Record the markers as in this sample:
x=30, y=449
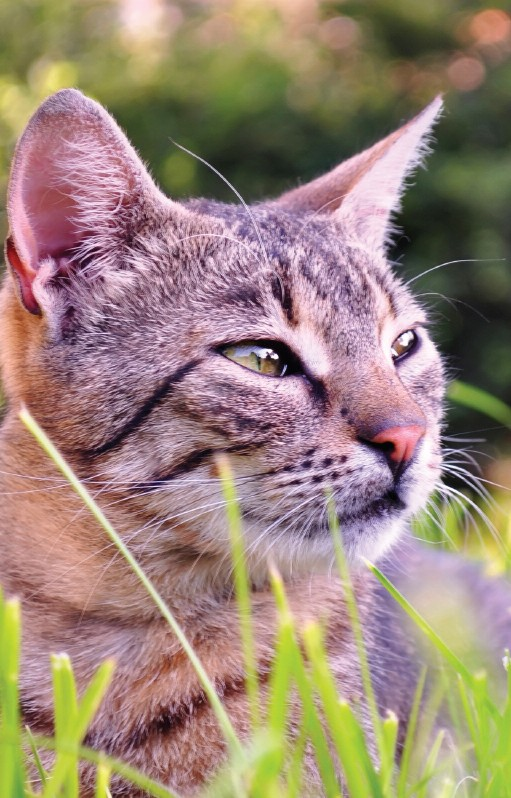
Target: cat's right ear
x=76, y=186
x=364, y=192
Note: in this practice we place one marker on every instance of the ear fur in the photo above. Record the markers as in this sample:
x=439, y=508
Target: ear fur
x=76, y=182
x=364, y=192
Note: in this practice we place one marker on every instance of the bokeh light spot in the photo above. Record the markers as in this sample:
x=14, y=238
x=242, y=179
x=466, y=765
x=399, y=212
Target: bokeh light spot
x=466, y=73
x=491, y=26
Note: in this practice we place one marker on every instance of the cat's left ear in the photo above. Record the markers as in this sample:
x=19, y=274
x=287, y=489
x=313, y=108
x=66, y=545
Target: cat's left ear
x=365, y=191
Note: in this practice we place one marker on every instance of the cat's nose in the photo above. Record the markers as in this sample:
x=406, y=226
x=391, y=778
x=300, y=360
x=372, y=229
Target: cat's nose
x=398, y=444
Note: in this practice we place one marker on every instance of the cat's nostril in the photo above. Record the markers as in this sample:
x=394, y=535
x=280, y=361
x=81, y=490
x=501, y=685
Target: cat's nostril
x=398, y=443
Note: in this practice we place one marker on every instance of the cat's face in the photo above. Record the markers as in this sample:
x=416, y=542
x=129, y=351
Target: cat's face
x=276, y=335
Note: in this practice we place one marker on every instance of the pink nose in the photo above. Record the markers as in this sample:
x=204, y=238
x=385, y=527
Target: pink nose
x=399, y=443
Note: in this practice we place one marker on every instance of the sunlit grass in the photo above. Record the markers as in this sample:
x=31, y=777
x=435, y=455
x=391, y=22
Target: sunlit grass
x=270, y=763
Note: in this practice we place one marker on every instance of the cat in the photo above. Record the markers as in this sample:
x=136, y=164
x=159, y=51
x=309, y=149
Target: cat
x=147, y=336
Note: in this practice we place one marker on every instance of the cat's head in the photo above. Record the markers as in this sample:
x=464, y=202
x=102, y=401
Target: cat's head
x=148, y=335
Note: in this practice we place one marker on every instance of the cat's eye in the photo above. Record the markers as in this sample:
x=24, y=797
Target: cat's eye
x=404, y=344
x=271, y=359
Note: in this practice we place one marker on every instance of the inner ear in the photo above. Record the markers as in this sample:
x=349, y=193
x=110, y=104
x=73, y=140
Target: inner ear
x=53, y=210
x=76, y=183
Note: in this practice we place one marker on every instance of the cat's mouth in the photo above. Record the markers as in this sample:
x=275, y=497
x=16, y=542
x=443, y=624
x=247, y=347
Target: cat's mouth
x=387, y=504
x=382, y=507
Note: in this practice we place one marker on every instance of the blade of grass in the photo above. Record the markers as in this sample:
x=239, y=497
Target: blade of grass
x=12, y=772
x=429, y=767
x=311, y=720
x=504, y=744
x=241, y=586
x=127, y=772
x=92, y=697
x=277, y=708
x=404, y=771
x=72, y=731
x=295, y=774
x=237, y=777
x=390, y=729
x=213, y=697
x=356, y=625
x=356, y=747
x=477, y=399
x=65, y=702
x=429, y=714
x=280, y=681
x=361, y=778
x=447, y=789
x=43, y=776
x=102, y=781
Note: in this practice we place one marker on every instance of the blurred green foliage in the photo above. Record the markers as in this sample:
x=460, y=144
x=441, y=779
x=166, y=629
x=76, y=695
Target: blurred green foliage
x=272, y=91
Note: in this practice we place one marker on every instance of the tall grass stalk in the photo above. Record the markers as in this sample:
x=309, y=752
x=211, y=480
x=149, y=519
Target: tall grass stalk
x=72, y=719
x=12, y=772
x=356, y=626
x=241, y=585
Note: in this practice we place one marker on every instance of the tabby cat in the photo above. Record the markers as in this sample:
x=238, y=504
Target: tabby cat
x=147, y=336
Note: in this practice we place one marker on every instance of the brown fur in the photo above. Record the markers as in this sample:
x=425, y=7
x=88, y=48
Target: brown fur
x=113, y=313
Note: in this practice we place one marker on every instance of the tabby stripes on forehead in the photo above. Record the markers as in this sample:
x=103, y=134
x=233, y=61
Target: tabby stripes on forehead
x=282, y=292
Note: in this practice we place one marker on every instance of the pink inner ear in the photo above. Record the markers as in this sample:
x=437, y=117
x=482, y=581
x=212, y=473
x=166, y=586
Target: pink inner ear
x=73, y=175
x=43, y=223
x=54, y=223
x=47, y=203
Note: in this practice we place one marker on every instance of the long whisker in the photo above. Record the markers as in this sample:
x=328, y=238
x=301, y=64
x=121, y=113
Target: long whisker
x=466, y=502
x=452, y=301
x=234, y=190
x=451, y=263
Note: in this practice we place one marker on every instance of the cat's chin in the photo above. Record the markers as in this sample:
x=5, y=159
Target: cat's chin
x=368, y=531
x=362, y=540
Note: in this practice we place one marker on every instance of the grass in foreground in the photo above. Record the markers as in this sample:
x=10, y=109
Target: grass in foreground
x=269, y=765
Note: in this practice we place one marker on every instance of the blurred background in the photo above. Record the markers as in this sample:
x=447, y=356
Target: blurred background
x=272, y=91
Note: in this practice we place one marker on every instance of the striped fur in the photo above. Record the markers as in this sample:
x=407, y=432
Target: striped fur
x=114, y=312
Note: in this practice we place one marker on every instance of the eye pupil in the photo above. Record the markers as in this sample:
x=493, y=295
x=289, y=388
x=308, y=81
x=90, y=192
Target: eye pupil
x=403, y=344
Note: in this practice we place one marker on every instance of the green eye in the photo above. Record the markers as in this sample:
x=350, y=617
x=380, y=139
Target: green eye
x=404, y=344
x=258, y=357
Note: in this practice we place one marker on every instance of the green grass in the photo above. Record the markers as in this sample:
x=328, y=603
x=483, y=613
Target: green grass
x=269, y=765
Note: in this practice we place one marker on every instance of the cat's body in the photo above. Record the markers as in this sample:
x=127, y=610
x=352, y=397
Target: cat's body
x=124, y=322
